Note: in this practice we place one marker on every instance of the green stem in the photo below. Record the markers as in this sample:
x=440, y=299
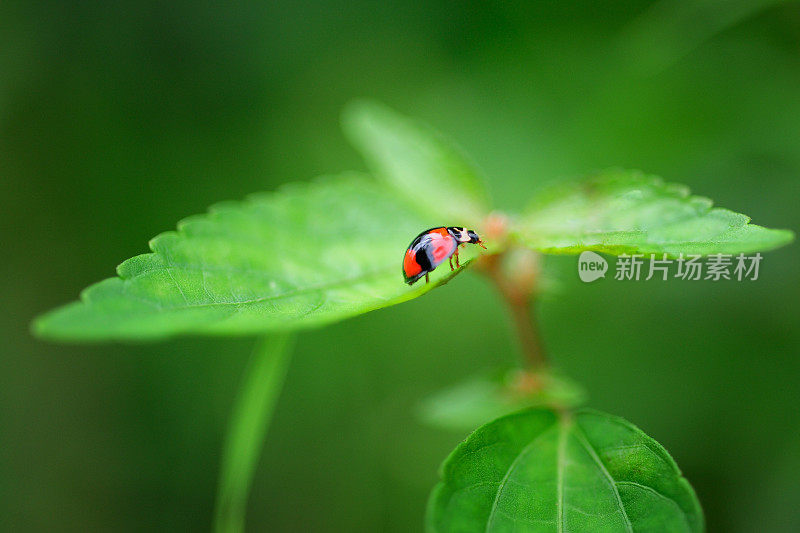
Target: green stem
x=525, y=322
x=517, y=285
x=251, y=416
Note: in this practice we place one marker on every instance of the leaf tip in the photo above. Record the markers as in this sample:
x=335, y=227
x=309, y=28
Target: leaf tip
x=37, y=327
x=45, y=325
x=358, y=114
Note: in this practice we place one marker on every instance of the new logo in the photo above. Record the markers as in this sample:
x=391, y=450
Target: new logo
x=591, y=266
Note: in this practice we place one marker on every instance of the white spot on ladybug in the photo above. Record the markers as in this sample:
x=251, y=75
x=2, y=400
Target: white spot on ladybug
x=463, y=235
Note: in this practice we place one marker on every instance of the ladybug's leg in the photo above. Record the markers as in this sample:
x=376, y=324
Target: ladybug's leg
x=451, y=263
x=458, y=265
x=426, y=278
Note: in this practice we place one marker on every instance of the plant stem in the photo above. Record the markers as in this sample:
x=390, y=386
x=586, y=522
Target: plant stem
x=528, y=332
x=251, y=416
x=518, y=286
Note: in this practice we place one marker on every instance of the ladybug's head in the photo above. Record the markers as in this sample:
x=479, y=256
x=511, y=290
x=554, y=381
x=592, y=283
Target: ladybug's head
x=464, y=235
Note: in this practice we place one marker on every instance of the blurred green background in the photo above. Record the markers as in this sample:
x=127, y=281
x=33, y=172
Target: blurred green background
x=119, y=118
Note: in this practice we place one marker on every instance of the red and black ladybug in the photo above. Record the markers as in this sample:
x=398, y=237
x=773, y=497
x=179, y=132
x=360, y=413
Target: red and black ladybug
x=432, y=247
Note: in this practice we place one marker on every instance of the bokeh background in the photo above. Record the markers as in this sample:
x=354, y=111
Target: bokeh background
x=119, y=118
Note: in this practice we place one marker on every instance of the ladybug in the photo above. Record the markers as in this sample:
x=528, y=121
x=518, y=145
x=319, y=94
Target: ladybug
x=431, y=247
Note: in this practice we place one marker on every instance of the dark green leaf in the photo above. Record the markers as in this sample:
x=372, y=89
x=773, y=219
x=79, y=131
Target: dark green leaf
x=423, y=164
x=541, y=471
x=629, y=212
x=307, y=255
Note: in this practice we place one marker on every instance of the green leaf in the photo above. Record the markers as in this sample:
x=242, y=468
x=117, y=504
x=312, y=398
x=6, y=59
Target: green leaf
x=420, y=162
x=252, y=414
x=628, y=212
x=307, y=255
x=541, y=471
x=485, y=397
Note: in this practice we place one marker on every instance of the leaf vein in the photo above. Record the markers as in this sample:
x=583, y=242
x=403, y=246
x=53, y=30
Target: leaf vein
x=562, y=445
x=660, y=495
x=585, y=442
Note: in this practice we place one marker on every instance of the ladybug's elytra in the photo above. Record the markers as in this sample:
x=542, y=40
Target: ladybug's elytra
x=431, y=247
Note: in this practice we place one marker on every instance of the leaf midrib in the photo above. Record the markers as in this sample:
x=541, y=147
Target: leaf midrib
x=295, y=292
x=562, y=445
x=565, y=426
